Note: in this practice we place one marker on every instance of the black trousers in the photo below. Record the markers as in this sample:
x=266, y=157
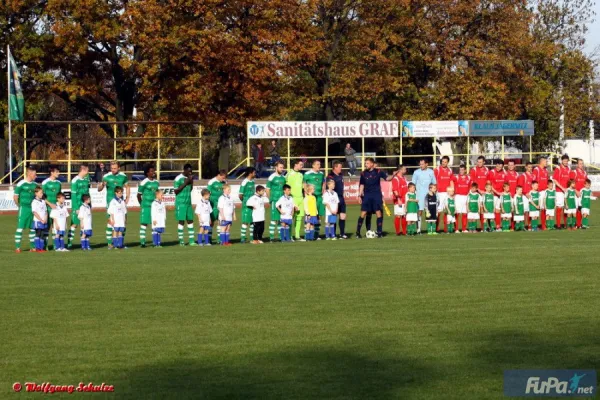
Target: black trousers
x=259, y=229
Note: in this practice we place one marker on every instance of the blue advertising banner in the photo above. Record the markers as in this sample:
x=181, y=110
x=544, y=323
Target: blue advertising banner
x=501, y=128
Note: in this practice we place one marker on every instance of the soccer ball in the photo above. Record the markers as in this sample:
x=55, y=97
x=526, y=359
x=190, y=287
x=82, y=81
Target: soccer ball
x=371, y=235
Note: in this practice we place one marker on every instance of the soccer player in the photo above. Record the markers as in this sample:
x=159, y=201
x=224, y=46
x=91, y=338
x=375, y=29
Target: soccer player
x=295, y=180
x=462, y=186
x=286, y=207
x=497, y=178
x=540, y=174
x=561, y=178
x=115, y=178
x=519, y=208
x=534, y=205
x=23, y=197
x=117, y=209
x=274, y=192
x=571, y=204
x=450, y=210
x=548, y=205
x=59, y=216
x=399, y=190
x=431, y=208
x=158, y=215
x=480, y=175
x=146, y=196
x=586, y=198
x=80, y=186
x=257, y=203
x=84, y=216
x=51, y=187
x=488, y=207
x=444, y=180
x=512, y=178
x=183, y=184
x=506, y=208
x=247, y=190
x=369, y=195
x=40, y=220
x=311, y=213
x=580, y=177
x=474, y=208
x=204, y=212
x=215, y=186
x=412, y=209
x=337, y=177
x=331, y=201
x=315, y=177
x=422, y=178
x=226, y=208
x=525, y=180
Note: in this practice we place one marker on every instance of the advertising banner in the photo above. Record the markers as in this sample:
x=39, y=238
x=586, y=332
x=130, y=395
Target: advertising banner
x=422, y=129
x=501, y=128
x=321, y=129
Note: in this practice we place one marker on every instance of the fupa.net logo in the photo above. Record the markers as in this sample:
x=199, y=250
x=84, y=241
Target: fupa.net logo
x=554, y=386
x=550, y=383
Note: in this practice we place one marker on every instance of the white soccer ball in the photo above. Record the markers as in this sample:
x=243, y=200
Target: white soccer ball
x=371, y=235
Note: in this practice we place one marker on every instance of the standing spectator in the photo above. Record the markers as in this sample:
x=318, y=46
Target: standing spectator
x=350, y=154
x=100, y=172
x=273, y=152
x=422, y=178
x=259, y=159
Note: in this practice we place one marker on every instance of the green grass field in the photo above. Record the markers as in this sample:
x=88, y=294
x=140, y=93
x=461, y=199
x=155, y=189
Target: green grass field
x=409, y=318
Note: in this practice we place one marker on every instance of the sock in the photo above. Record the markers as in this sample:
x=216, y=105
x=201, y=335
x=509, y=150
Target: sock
x=36, y=242
x=359, y=224
x=397, y=223
x=219, y=232
x=251, y=232
x=578, y=218
x=190, y=233
x=418, y=227
x=498, y=218
x=543, y=219
x=470, y=225
x=108, y=234
x=585, y=221
x=368, y=221
x=56, y=243
x=200, y=238
x=243, y=233
x=221, y=238
x=342, y=227
x=180, y=233
x=445, y=223
x=83, y=244
x=282, y=234
x=122, y=241
x=317, y=230
x=207, y=238
x=559, y=216
x=451, y=227
x=550, y=224
x=380, y=225
x=306, y=234
x=71, y=235
x=46, y=239
x=288, y=231
x=143, y=235
x=31, y=238
x=464, y=222
x=18, y=235
x=272, y=228
x=534, y=224
x=404, y=223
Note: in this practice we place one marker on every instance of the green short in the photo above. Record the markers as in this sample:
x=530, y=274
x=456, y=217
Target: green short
x=275, y=214
x=146, y=216
x=246, y=215
x=183, y=212
x=320, y=205
x=25, y=218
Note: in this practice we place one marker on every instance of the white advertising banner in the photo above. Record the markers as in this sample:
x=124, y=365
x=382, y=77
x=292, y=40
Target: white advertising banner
x=421, y=129
x=321, y=129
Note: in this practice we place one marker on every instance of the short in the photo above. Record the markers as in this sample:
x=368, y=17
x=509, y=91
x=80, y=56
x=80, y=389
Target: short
x=320, y=205
x=488, y=215
x=246, y=215
x=87, y=233
x=299, y=202
x=225, y=223
x=549, y=213
x=342, y=207
x=207, y=228
x=473, y=216
x=560, y=199
x=183, y=212
x=441, y=196
x=450, y=219
x=525, y=204
x=585, y=211
x=506, y=215
x=275, y=214
x=519, y=218
x=534, y=214
x=24, y=218
x=59, y=233
x=146, y=215
x=332, y=219
x=399, y=210
x=118, y=229
x=286, y=221
x=371, y=203
x=158, y=230
x=39, y=226
x=571, y=211
x=205, y=219
x=312, y=220
x=461, y=203
x=412, y=217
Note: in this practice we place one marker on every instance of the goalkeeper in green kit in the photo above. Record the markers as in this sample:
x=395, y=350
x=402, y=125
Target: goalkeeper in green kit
x=294, y=179
x=315, y=177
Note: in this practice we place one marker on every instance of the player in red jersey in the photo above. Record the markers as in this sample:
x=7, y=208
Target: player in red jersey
x=479, y=175
x=399, y=190
x=462, y=186
x=512, y=177
x=540, y=174
x=579, y=176
x=525, y=180
x=443, y=176
x=497, y=178
x=561, y=179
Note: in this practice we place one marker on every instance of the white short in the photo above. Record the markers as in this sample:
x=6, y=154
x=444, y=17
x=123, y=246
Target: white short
x=450, y=219
x=585, y=211
x=488, y=216
x=542, y=199
x=525, y=204
x=506, y=215
x=560, y=199
x=412, y=217
x=571, y=211
x=204, y=219
x=442, y=196
x=534, y=214
x=461, y=203
x=399, y=210
x=549, y=213
x=473, y=216
x=519, y=218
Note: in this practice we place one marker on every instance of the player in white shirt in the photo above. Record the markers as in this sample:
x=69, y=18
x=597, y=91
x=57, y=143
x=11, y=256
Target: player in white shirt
x=59, y=216
x=330, y=201
x=286, y=207
x=226, y=208
x=117, y=209
x=158, y=214
x=204, y=211
x=84, y=214
x=40, y=220
x=257, y=203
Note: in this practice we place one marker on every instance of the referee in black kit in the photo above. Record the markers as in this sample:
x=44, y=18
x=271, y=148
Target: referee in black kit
x=369, y=195
x=337, y=176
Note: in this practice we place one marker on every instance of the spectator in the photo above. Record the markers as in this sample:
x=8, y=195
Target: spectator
x=273, y=153
x=349, y=152
x=259, y=159
x=100, y=172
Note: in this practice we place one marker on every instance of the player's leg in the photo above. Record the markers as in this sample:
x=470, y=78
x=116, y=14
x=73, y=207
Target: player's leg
x=189, y=217
x=19, y=230
x=244, y=225
x=298, y=217
x=379, y=216
x=585, y=214
x=321, y=211
x=368, y=219
x=275, y=217
x=364, y=208
x=342, y=219
x=145, y=220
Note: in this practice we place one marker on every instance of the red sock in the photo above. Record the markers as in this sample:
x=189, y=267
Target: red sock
x=481, y=220
x=543, y=218
x=512, y=224
x=527, y=220
x=498, y=220
x=579, y=218
x=445, y=223
x=404, y=223
x=397, y=224
x=464, y=222
x=558, y=216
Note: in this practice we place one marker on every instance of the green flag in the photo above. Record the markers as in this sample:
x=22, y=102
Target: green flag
x=16, y=100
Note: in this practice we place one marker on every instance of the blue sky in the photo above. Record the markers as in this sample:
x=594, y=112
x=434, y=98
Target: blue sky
x=593, y=35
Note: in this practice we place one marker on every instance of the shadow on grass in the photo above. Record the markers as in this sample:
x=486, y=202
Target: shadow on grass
x=302, y=374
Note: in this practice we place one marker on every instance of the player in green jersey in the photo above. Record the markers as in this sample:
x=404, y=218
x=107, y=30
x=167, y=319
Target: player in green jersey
x=474, y=208
x=247, y=190
x=51, y=187
x=145, y=196
x=184, y=213
x=316, y=177
x=23, y=197
x=550, y=205
x=571, y=204
x=534, y=205
x=519, y=209
x=215, y=187
x=115, y=178
x=294, y=179
x=586, y=198
x=412, y=209
x=274, y=192
x=506, y=207
x=488, y=202
x=450, y=210
x=80, y=186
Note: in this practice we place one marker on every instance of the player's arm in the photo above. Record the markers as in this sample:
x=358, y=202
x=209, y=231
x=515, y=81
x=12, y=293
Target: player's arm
x=180, y=185
x=556, y=179
x=102, y=184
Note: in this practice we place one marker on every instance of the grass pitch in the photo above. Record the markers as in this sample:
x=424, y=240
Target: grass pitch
x=409, y=318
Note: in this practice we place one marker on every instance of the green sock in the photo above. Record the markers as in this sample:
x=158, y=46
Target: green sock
x=191, y=239
x=585, y=222
x=180, y=233
x=272, y=229
x=109, y=234
x=18, y=235
x=317, y=230
x=534, y=224
x=143, y=235
x=451, y=228
x=243, y=233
